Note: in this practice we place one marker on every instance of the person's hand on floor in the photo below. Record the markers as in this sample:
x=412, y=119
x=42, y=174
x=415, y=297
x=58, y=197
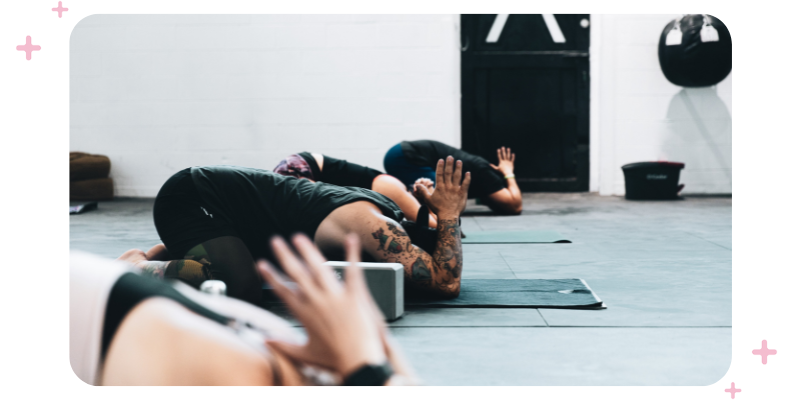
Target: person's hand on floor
x=449, y=198
x=339, y=317
x=505, y=164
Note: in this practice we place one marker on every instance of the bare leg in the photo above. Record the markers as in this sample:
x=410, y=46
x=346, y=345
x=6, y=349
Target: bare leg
x=231, y=262
x=225, y=258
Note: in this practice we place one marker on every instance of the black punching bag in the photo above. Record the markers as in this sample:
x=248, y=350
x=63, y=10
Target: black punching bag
x=695, y=51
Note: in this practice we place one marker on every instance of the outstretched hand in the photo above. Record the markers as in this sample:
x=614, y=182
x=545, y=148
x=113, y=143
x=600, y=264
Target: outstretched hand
x=340, y=318
x=505, y=162
x=449, y=198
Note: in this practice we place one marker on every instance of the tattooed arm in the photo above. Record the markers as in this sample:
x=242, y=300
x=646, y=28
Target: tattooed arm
x=439, y=273
x=192, y=270
x=386, y=241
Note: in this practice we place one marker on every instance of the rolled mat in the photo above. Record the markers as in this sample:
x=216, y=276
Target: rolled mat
x=515, y=293
x=485, y=237
x=84, y=166
x=92, y=189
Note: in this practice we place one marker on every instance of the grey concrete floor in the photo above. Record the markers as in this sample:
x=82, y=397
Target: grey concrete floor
x=663, y=269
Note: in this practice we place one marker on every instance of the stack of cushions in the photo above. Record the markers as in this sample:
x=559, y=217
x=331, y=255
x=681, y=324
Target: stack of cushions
x=88, y=177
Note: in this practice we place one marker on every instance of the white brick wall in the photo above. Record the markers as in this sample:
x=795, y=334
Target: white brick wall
x=637, y=115
x=159, y=93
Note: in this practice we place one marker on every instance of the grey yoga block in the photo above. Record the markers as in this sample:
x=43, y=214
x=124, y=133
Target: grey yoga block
x=385, y=282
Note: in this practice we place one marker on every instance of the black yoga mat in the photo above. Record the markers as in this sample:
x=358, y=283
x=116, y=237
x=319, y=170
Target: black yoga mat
x=486, y=237
x=515, y=293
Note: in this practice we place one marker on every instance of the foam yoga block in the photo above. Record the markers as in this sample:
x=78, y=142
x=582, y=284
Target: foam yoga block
x=92, y=189
x=515, y=293
x=385, y=282
x=84, y=166
x=485, y=237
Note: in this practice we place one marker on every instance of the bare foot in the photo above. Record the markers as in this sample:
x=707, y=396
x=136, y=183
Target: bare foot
x=158, y=253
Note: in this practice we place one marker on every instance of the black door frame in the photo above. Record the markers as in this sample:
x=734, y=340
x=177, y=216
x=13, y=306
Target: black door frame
x=472, y=111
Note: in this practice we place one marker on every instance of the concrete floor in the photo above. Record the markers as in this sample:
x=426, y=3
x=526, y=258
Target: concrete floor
x=663, y=269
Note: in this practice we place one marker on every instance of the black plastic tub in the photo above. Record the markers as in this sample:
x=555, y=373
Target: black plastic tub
x=653, y=180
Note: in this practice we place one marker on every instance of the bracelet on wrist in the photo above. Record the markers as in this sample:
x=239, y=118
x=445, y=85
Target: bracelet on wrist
x=509, y=176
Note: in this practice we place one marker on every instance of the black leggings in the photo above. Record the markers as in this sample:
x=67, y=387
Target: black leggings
x=189, y=229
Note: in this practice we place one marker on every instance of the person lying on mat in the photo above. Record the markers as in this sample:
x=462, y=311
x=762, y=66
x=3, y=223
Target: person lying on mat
x=214, y=221
x=131, y=329
x=321, y=168
x=494, y=185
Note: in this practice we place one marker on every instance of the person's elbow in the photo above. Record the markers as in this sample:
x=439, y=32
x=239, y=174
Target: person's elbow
x=451, y=291
x=509, y=208
x=515, y=209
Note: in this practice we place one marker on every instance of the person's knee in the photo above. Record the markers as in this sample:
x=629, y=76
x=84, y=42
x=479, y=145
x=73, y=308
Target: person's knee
x=241, y=281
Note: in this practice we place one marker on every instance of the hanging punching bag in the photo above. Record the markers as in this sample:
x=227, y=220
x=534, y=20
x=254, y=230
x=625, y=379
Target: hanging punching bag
x=695, y=51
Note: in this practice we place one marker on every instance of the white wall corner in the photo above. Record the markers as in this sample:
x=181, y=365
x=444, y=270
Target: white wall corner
x=595, y=57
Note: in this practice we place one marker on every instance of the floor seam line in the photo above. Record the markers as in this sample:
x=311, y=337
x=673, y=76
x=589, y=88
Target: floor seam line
x=543, y=318
x=508, y=265
x=714, y=243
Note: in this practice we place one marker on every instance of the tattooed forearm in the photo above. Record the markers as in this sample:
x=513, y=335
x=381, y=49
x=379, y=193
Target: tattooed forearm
x=153, y=268
x=419, y=272
x=439, y=272
x=448, y=249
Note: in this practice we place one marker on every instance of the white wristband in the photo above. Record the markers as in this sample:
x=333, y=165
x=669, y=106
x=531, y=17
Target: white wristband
x=509, y=176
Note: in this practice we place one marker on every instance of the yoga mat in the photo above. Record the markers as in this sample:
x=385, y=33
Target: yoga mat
x=484, y=237
x=515, y=293
x=478, y=213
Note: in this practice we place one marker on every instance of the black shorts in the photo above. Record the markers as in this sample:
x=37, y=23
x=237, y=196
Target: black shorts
x=181, y=218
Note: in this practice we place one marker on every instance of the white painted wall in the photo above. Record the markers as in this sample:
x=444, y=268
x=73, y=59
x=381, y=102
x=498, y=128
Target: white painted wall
x=637, y=115
x=158, y=93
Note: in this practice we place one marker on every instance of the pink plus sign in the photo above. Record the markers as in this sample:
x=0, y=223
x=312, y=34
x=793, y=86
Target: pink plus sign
x=764, y=352
x=733, y=390
x=60, y=9
x=28, y=47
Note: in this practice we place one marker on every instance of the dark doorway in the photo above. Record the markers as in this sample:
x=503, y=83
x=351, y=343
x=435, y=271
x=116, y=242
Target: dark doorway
x=525, y=85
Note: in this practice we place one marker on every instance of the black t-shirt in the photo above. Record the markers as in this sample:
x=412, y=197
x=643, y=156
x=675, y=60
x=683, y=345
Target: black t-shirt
x=485, y=180
x=340, y=172
x=259, y=204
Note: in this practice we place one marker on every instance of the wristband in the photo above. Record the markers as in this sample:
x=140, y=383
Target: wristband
x=509, y=176
x=370, y=375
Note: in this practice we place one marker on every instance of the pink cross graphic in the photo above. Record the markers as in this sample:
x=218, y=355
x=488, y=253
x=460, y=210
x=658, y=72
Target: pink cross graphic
x=60, y=9
x=733, y=390
x=764, y=352
x=28, y=47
